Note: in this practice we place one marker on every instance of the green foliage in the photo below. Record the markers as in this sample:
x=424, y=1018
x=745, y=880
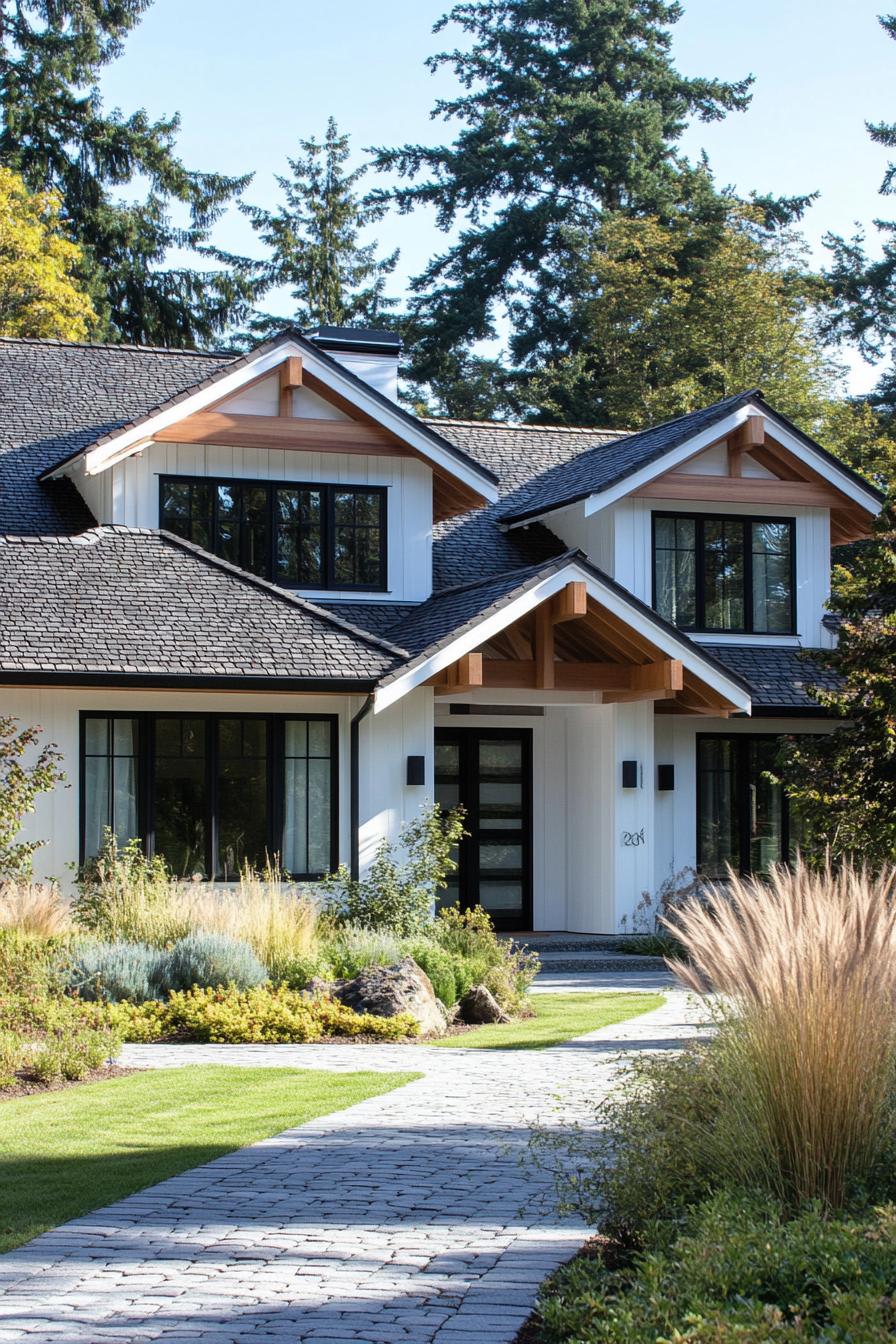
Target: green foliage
x=55, y=132
x=398, y=890
x=124, y=896
x=70, y=1053
x=313, y=242
x=445, y=970
x=352, y=947
x=40, y=292
x=25, y=773
x=670, y=315
x=103, y=971
x=843, y=783
x=208, y=960
x=739, y=1273
x=263, y=1015
x=481, y=957
x=565, y=110
x=12, y=1057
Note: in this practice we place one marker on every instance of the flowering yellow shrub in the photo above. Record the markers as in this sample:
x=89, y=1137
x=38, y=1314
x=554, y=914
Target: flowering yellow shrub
x=264, y=1015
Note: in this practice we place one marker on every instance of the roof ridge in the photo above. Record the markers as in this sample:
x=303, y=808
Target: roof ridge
x=519, y=424
x=272, y=589
x=121, y=345
x=506, y=574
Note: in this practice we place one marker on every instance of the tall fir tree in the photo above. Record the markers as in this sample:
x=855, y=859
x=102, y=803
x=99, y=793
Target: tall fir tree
x=568, y=108
x=55, y=132
x=314, y=241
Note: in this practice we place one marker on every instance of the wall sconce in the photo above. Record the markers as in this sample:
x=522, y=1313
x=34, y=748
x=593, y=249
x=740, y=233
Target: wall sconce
x=629, y=774
x=665, y=778
x=416, y=774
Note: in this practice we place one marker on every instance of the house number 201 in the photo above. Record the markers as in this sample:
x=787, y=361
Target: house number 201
x=632, y=839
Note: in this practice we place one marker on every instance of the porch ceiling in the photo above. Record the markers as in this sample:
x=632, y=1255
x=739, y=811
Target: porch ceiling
x=569, y=642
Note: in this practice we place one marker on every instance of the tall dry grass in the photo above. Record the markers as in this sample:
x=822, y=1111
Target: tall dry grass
x=35, y=908
x=279, y=921
x=806, y=965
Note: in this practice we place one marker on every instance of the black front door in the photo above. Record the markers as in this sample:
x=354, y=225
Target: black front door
x=489, y=771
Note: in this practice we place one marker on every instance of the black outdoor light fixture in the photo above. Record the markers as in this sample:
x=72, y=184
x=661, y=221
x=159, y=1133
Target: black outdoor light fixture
x=665, y=778
x=629, y=774
x=416, y=770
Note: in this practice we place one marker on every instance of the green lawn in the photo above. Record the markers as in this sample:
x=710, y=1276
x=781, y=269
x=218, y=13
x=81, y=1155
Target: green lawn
x=558, y=1017
x=65, y=1153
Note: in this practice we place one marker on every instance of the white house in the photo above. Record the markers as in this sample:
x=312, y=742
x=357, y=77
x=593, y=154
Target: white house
x=261, y=607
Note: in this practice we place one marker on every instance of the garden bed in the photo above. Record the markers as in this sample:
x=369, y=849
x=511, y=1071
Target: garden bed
x=27, y=1085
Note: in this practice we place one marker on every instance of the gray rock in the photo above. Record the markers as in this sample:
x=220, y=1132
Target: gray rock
x=479, y=1005
x=387, y=991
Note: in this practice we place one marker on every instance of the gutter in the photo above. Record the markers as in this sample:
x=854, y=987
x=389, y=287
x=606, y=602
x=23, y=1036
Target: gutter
x=355, y=784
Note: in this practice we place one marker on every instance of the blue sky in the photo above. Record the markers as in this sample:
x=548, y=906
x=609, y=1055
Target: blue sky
x=249, y=80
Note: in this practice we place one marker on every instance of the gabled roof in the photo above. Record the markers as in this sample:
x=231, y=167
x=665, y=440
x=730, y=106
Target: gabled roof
x=126, y=603
x=232, y=373
x=448, y=616
x=601, y=468
x=57, y=398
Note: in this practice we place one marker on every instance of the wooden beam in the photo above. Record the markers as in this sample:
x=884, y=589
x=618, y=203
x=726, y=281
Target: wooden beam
x=276, y=431
x=631, y=697
x=520, y=645
x=741, y=490
x=512, y=674
x=544, y=647
x=466, y=673
x=290, y=377
x=570, y=603
x=665, y=676
x=752, y=432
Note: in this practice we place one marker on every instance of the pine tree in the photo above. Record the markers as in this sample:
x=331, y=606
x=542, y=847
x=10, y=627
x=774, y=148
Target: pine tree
x=313, y=241
x=55, y=132
x=569, y=108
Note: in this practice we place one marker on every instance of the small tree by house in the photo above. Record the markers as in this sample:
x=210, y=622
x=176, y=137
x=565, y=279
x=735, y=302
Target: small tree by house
x=23, y=778
x=41, y=293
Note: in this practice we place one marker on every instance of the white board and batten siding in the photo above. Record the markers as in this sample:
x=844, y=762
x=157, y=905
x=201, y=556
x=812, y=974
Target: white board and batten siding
x=128, y=494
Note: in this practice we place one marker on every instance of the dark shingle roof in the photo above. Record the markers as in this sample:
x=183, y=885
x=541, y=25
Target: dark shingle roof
x=778, y=678
x=146, y=604
x=56, y=399
x=598, y=469
x=473, y=545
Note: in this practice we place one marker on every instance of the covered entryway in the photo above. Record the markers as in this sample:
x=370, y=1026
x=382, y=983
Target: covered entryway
x=489, y=772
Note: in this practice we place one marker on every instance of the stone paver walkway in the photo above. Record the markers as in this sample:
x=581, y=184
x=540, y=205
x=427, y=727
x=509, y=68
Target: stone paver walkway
x=412, y=1217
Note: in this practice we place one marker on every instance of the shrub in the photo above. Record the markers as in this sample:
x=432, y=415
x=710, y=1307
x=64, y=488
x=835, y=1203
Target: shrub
x=481, y=957
x=117, y=971
x=253, y=1016
x=34, y=908
x=354, y=947
x=274, y=917
x=297, y=973
x=125, y=897
x=807, y=966
x=440, y=966
x=207, y=960
x=739, y=1273
x=72, y=1053
x=398, y=891
x=20, y=786
x=12, y=1053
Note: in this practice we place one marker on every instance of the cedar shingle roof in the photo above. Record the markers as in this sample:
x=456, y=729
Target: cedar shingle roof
x=147, y=604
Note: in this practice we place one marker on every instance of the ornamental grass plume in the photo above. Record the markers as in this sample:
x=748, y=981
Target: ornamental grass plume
x=805, y=964
x=36, y=908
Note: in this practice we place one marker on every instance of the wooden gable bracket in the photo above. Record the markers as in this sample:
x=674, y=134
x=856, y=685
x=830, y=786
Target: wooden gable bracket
x=651, y=681
x=570, y=603
x=464, y=675
x=751, y=434
x=290, y=377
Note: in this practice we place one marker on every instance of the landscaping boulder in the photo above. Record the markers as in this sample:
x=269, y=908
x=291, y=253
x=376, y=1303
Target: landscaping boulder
x=479, y=1005
x=387, y=991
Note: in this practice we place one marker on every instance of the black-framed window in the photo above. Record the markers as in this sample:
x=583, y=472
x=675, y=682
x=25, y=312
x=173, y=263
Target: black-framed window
x=212, y=792
x=301, y=536
x=744, y=818
x=734, y=574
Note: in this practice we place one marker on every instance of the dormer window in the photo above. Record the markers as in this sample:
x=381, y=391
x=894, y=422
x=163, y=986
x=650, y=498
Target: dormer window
x=724, y=574
x=330, y=537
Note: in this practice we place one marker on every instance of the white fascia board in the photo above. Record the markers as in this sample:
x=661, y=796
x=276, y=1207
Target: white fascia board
x=666, y=641
x=669, y=461
x=841, y=481
x=129, y=441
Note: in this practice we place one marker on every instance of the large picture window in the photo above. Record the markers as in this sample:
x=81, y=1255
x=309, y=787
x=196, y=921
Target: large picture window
x=724, y=574
x=743, y=816
x=301, y=536
x=212, y=792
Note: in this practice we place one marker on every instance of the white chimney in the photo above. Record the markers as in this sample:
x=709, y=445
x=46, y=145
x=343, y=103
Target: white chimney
x=368, y=352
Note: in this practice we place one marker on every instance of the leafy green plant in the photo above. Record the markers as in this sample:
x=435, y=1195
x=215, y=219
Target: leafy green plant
x=739, y=1272
x=441, y=967
x=207, y=960
x=352, y=947
x=12, y=1056
x=481, y=957
x=71, y=1053
x=399, y=889
x=22, y=781
x=123, y=896
x=265, y=1014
